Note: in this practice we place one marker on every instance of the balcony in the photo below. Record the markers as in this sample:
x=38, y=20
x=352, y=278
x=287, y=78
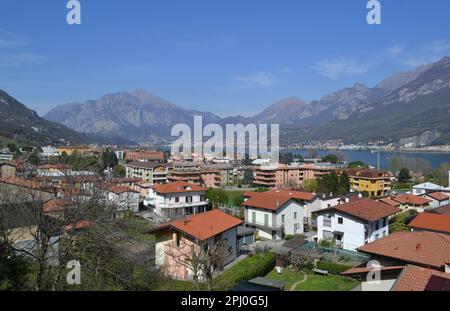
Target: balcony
x=264, y=225
x=183, y=204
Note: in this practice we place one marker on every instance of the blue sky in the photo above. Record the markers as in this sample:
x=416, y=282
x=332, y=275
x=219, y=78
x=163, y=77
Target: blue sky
x=225, y=56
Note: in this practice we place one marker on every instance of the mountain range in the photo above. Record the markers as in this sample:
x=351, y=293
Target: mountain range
x=410, y=107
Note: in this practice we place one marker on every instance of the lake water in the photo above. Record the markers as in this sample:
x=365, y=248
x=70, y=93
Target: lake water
x=434, y=159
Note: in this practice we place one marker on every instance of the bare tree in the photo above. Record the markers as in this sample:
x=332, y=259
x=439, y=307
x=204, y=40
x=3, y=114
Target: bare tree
x=204, y=259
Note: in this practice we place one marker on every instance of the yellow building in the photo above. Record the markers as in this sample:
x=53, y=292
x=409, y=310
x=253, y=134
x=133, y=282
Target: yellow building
x=375, y=183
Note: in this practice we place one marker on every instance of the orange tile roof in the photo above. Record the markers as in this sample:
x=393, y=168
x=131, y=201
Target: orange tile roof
x=368, y=173
x=422, y=248
x=431, y=222
x=267, y=201
x=177, y=187
x=438, y=196
x=119, y=189
x=26, y=183
x=305, y=196
x=364, y=270
x=53, y=205
x=415, y=278
x=390, y=202
x=79, y=225
x=444, y=210
x=365, y=209
x=203, y=226
x=411, y=199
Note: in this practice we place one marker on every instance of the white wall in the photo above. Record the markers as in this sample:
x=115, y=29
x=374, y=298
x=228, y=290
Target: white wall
x=353, y=229
x=275, y=219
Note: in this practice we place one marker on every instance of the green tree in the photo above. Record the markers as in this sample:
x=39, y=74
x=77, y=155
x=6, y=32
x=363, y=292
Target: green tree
x=34, y=158
x=109, y=159
x=404, y=175
x=13, y=147
x=119, y=171
x=311, y=185
x=344, y=183
x=329, y=183
x=357, y=164
x=331, y=158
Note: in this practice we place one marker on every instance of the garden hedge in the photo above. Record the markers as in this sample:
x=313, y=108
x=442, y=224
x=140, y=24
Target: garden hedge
x=245, y=270
x=332, y=268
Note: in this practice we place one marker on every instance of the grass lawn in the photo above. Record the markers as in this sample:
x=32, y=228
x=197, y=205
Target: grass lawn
x=314, y=282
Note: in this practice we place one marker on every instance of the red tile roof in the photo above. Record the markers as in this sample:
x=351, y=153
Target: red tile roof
x=203, y=226
x=420, y=248
x=439, y=196
x=365, y=209
x=364, y=270
x=275, y=199
x=305, y=196
x=431, y=222
x=53, y=205
x=119, y=189
x=390, y=202
x=415, y=278
x=368, y=173
x=267, y=201
x=444, y=210
x=26, y=183
x=177, y=187
x=79, y=225
x=411, y=199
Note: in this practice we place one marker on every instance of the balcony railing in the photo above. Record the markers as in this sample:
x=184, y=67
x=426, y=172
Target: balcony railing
x=264, y=225
x=183, y=204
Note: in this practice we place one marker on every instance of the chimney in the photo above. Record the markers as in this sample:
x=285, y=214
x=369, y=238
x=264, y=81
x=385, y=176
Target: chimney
x=347, y=200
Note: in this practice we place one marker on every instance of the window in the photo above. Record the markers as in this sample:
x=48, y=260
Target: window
x=177, y=240
x=377, y=225
x=188, y=199
x=295, y=215
x=283, y=219
x=326, y=221
x=377, y=236
x=340, y=220
x=177, y=199
x=254, y=217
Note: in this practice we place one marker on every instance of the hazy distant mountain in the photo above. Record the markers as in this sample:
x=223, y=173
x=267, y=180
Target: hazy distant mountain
x=405, y=107
x=24, y=125
x=417, y=112
x=137, y=115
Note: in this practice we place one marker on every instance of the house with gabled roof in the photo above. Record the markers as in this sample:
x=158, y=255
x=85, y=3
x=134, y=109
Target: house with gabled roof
x=438, y=199
x=177, y=199
x=276, y=213
x=431, y=222
x=351, y=225
x=180, y=240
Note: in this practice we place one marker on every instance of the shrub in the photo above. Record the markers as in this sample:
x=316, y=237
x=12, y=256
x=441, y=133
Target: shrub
x=247, y=269
x=288, y=237
x=331, y=267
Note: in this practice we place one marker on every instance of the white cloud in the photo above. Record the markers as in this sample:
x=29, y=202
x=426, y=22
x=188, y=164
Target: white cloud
x=396, y=49
x=339, y=67
x=440, y=46
x=257, y=80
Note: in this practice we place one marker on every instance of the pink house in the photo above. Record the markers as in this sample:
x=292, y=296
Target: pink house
x=181, y=240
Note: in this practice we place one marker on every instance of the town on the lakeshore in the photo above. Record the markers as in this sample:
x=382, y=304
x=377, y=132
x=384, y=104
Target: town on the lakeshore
x=142, y=219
